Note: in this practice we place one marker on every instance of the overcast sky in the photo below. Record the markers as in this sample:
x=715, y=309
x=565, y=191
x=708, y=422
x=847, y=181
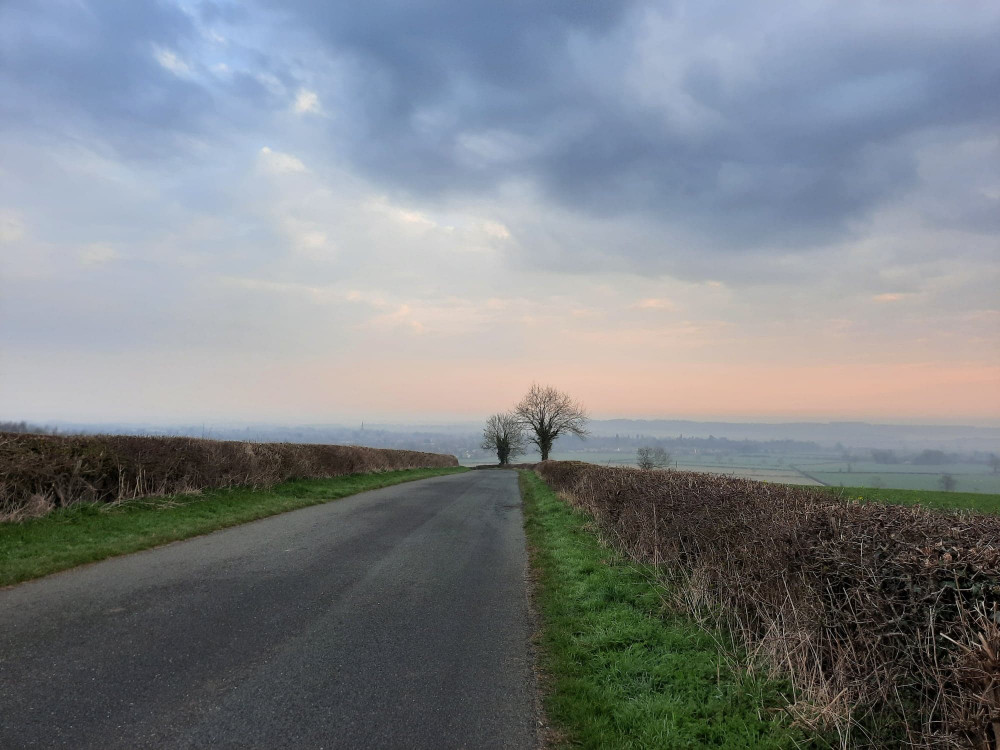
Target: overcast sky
x=319, y=211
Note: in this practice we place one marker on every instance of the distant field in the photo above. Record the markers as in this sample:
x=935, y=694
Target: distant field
x=870, y=467
x=911, y=481
x=968, y=477
x=928, y=498
x=807, y=470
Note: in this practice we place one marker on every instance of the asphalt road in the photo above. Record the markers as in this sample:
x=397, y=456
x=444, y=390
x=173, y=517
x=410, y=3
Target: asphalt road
x=395, y=618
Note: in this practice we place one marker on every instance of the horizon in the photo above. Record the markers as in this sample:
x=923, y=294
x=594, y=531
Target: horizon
x=603, y=441
x=282, y=212
x=476, y=423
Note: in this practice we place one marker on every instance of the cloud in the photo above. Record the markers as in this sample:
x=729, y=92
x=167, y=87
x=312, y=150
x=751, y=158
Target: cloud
x=524, y=183
x=116, y=68
x=280, y=163
x=675, y=111
x=307, y=101
x=655, y=303
x=496, y=229
x=170, y=61
x=11, y=226
x=98, y=254
x=673, y=114
x=308, y=238
x=406, y=216
x=314, y=293
x=401, y=317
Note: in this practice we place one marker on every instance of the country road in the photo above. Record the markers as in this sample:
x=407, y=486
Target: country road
x=397, y=618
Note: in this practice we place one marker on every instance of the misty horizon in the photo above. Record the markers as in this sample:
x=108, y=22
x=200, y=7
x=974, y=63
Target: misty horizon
x=852, y=433
x=475, y=421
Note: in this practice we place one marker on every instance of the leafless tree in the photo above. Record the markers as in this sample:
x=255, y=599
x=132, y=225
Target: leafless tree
x=504, y=433
x=947, y=482
x=549, y=413
x=652, y=457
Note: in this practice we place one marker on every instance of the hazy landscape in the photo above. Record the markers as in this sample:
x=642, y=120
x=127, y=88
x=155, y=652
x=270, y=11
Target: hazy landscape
x=529, y=375
x=845, y=454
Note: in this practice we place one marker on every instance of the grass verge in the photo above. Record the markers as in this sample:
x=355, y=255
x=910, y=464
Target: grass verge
x=928, y=498
x=88, y=532
x=617, y=669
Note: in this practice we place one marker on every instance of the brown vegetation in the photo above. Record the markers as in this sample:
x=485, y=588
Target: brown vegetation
x=504, y=435
x=885, y=617
x=548, y=413
x=42, y=472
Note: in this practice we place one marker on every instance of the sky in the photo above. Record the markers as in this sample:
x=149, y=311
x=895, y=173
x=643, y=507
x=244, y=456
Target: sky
x=315, y=211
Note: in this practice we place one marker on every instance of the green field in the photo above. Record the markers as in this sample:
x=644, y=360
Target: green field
x=980, y=502
x=904, y=481
x=86, y=532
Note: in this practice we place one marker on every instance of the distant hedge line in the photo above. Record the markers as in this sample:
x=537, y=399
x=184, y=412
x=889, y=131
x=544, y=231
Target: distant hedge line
x=885, y=617
x=41, y=472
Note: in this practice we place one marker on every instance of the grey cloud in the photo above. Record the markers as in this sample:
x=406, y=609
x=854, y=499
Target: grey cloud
x=224, y=12
x=747, y=127
x=90, y=71
x=65, y=60
x=814, y=134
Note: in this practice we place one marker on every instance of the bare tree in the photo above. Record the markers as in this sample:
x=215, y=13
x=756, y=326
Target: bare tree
x=947, y=482
x=652, y=457
x=550, y=413
x=504, y=434
x=994, y=462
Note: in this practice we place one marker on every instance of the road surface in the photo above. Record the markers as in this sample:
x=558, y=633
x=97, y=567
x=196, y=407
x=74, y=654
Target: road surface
x=395, y=618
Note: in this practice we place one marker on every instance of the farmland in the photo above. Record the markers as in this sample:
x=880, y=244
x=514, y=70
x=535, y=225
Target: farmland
x=980, y=502
x=805, y=469
x=968, y=477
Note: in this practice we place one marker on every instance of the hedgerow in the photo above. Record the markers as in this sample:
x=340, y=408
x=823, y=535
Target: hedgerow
x=885, y=617
x=41, y=472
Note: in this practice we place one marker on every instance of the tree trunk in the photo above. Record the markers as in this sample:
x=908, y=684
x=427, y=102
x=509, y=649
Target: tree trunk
x=544, y=445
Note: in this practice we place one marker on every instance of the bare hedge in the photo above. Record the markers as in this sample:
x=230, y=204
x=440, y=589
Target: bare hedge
x=880, y=614
x=42, y=472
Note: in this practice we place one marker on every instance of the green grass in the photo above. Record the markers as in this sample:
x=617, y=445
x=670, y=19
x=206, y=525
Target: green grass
x=984, y=483
x=88, y=532
x=618, y=670
x=928, y=498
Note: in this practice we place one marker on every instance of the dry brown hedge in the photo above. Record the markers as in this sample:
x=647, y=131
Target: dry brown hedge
x=42, y=472
x=879, y=614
